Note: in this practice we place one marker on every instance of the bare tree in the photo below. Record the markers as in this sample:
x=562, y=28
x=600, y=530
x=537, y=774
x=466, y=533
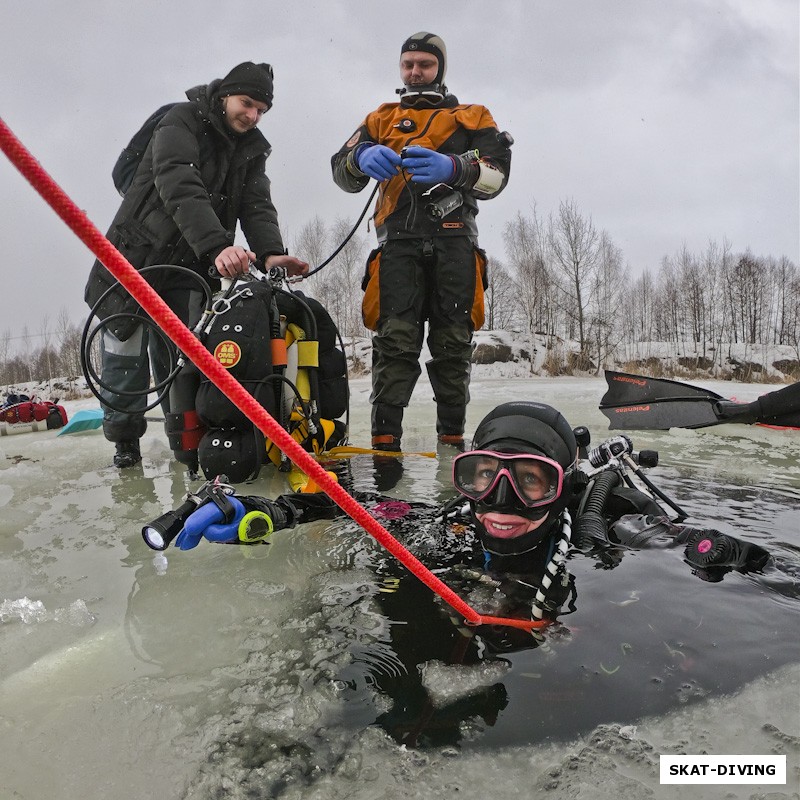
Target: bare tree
x=746, y=287
x=668, y=319
x=18, y=370
x=27, y=343
x=525, y=245
x=338, y=286
x=721, y=304
x=500, y=296
x=5, y=349
x=312, y=244
x=575, y=247
x=711, y=274
x=608, y=291
x=638, y=309
x=787, y=321
x=46, y=351
x=69, y=346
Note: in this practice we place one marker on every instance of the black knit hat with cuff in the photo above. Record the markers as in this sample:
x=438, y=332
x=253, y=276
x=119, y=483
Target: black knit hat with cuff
x=253, y=80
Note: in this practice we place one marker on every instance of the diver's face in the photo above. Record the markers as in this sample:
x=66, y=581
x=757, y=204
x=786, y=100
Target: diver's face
x=508, y=526
x=418, y=69
x=511, y=493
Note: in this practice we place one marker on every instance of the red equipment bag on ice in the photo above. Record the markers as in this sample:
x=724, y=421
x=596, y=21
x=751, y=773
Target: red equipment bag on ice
x=56, y=416
x=19, y=413
x=31, y=411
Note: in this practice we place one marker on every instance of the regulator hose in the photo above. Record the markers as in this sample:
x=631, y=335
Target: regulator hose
x=591, y=527
x=90, y=333
x=346, y=238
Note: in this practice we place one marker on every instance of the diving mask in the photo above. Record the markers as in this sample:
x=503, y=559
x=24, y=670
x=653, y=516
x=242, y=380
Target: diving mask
x=536, y=480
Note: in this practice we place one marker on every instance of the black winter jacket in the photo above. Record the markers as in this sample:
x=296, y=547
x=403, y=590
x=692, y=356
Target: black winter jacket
x=195, y=181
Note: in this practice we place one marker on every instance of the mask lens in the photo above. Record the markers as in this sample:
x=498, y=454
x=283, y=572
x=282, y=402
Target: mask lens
x=536, y=480
x=428, y=95
x=474, y=474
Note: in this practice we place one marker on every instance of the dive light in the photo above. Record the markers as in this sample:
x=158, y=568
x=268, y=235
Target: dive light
x=441, y=200
x=161, y=531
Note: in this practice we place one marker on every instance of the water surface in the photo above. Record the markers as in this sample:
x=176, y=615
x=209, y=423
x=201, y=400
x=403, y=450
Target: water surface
x=313, y=668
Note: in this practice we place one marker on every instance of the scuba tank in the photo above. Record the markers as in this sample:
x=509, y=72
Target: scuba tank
x=320, y=393
x=240, y=340
x=251, y=325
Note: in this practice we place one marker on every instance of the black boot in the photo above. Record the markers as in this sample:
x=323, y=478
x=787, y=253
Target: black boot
x=453, y=439
x=127, y=454
x=387, y=442
x=387, y=470
x=387, y=427
x=450, y=420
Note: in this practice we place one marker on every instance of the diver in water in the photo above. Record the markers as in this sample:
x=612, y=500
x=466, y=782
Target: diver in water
x=528, y=493
x=525, y=498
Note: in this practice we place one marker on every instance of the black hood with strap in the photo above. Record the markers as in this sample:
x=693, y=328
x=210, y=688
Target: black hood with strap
x=431, y=95
x=526, y=427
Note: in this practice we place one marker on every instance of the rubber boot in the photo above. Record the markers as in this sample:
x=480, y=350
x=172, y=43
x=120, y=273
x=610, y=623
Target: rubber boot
x=128, y=454
x=387, y=427
x=386, y=472
x=450, y=421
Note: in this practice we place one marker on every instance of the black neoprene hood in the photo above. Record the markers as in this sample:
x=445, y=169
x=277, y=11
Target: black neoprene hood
x=528, y=427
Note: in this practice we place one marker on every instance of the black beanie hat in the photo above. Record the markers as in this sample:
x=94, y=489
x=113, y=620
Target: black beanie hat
x=253, y=80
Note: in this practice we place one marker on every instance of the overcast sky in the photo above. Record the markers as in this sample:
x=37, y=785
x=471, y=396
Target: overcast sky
x=668, y=123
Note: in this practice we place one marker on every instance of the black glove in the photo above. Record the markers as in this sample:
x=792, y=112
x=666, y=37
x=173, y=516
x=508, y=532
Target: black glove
x=289, y=510
x=707, y=548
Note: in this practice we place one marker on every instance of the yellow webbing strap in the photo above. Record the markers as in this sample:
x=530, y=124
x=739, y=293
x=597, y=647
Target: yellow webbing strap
x=308, y=353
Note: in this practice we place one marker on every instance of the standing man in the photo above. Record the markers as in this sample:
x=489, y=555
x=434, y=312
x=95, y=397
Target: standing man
x=202, y=173
x=434, y=158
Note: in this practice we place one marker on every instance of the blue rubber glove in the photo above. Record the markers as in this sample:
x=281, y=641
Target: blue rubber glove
x=208, y=521
x=378, y=161
x=428, y=166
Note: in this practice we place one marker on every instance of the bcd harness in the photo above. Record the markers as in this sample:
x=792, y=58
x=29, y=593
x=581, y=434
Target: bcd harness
x=282, y=347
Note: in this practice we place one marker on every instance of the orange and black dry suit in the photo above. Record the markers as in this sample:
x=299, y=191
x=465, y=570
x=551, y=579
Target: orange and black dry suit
x=425, y=269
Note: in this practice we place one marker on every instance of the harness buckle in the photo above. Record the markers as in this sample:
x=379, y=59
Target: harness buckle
x=428, y=251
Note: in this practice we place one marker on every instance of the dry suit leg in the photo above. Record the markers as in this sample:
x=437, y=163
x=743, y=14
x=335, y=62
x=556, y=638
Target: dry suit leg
x=450, y=328
x=398, y=342
x=395, y=362
x=449, y=372
x=395, y=370
x=126, y=366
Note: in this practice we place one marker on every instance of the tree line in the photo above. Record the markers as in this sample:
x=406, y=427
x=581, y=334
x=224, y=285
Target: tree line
x=560, y=278
x=49, y=353
x=566, y=280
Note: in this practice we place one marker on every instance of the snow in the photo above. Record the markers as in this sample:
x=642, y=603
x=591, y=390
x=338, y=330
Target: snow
x=501, y=354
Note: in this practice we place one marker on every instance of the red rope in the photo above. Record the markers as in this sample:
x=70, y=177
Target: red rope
x=150, y=301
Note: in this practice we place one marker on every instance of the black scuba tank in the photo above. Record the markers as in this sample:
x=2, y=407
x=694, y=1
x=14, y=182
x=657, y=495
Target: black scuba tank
x=240, y=340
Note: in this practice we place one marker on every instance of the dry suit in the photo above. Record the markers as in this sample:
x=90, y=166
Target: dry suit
x=426, y=268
